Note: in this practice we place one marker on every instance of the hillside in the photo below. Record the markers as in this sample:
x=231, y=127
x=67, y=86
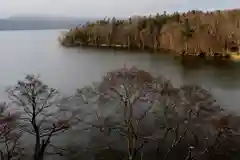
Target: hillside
x=44, y=17
x=193, y=32
x=39, y=22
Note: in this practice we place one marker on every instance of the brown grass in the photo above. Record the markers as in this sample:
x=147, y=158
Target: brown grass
x=193, y=32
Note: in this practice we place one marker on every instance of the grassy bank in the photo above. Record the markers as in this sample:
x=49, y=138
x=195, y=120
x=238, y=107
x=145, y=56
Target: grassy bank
x=194, y=32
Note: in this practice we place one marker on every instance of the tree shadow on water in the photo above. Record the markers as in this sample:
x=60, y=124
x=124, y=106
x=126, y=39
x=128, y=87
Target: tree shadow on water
x=196, y=63
x=216, y=72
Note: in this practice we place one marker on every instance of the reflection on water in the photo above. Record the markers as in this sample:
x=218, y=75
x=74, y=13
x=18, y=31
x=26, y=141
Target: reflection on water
x=38, y=52
x=219, y=74
x=221, y=77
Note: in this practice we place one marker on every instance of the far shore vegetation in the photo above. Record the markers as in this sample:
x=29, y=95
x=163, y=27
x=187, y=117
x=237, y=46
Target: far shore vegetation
x=192, y=33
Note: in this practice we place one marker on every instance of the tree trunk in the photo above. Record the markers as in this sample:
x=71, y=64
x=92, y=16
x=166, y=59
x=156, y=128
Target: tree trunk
x=39, y=156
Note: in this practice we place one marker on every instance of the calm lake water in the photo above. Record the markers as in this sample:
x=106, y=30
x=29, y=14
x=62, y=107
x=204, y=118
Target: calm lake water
x=38, y=52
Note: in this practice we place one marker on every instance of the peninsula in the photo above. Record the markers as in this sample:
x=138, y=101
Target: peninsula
x=191, y=33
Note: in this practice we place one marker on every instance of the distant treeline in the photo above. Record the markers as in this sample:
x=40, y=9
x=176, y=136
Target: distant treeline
x=193, y=32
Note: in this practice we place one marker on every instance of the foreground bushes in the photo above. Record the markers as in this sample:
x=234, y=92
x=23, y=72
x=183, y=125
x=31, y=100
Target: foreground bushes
x=193, y=32
x=129, y=115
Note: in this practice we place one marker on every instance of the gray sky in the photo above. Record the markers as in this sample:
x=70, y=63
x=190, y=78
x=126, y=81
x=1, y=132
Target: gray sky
x=101, y=8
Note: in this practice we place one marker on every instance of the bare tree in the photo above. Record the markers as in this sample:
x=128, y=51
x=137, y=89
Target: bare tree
x=179, y=113
x=134, y=93
x=132, y=109
x=38, y=104
x=9, y=135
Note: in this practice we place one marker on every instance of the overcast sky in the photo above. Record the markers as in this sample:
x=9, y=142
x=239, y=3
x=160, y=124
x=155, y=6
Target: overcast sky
x=101, y=8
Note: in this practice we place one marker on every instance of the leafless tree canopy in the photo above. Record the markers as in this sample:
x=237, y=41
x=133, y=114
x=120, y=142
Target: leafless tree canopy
x=9, y=135
x=129, y=115
x=139, y=116
x=38, y=109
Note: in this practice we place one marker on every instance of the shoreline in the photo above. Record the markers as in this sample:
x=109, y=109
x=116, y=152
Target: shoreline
x=206, y=56
x=213, y=35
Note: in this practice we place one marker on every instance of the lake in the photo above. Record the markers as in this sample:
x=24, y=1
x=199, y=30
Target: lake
x=38, y=52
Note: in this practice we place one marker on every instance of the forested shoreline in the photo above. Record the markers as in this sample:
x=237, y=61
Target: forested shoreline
x=193, y=33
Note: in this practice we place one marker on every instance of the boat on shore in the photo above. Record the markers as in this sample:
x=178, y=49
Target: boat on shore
x=234, y=54
x=235, y=57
